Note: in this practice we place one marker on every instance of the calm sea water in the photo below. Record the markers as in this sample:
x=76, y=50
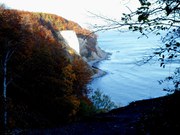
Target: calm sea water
x=125, y=81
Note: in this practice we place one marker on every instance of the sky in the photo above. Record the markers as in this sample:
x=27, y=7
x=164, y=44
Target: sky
x=76, y=10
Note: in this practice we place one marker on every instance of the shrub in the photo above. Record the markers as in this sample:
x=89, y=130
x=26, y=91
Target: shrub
x=102, y=102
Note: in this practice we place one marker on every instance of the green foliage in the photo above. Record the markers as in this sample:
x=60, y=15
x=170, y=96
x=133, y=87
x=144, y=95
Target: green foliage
x=102, y=102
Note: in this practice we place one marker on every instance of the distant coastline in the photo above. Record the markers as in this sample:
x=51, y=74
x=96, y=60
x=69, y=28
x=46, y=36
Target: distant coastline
x=94, y=65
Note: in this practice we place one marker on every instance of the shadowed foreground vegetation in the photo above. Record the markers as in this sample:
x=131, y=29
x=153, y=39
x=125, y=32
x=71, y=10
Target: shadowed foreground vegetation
x=41, y=83
x=43, y=86
x=159, y=116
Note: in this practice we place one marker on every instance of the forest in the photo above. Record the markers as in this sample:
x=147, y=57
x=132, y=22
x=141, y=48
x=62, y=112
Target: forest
x=44, y=85
x=41, y=83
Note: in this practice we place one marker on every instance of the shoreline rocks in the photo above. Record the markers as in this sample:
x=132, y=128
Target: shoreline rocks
x=94, y=65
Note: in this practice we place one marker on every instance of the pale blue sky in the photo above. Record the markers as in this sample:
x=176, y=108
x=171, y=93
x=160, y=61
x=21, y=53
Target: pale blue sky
x=76, y=10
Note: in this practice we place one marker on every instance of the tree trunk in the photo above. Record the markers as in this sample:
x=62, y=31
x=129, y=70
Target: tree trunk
x=5, y=88
x=9, y=50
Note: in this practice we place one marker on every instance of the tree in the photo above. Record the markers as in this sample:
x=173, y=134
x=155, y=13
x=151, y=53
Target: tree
x=9, y=32
x=83, y=76
x=8, y=53
x=102, y=102
x=37, y=74
x=152, y=17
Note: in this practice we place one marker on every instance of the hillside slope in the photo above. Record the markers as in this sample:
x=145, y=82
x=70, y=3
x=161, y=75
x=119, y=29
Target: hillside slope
x=89, y=49
x=42, y=80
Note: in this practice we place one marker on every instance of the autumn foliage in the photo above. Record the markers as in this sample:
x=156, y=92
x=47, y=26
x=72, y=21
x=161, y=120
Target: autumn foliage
x=46, y=84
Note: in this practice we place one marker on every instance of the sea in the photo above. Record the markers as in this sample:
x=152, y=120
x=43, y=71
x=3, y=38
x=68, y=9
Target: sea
x=128, y=78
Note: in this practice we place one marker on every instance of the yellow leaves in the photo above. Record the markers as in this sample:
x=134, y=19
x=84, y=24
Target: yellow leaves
x=71, y=51
x=83, y=76
x=68, y=72
x=82, y=70
x=69, y=77
x=47, y=74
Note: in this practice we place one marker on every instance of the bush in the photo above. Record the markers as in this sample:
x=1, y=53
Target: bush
x=86, y=108
x=102, y=102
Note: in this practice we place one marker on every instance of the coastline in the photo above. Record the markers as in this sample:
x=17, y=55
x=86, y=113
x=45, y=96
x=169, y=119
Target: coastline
x=93, y=64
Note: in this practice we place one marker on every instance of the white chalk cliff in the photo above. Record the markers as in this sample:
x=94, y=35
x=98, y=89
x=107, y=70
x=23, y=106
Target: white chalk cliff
x=71, y=39
x=86, y=48
x=90, y=51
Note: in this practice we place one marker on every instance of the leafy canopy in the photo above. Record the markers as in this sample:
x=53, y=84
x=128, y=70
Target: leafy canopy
x=47, y=83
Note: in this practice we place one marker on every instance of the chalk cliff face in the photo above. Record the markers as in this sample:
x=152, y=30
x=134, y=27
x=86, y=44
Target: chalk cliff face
x=86, y=47
x=70, y=39
x=90, y=50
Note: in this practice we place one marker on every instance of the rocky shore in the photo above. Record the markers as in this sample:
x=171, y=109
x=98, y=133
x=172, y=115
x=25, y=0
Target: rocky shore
x=94, y=64
x=98, y=72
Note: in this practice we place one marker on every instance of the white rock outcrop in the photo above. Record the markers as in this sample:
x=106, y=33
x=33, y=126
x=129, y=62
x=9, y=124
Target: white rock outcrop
x=85, y=47
x=91, y=52
x=71, y=40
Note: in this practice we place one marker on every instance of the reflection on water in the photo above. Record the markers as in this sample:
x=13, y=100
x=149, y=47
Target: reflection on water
x=125, y=80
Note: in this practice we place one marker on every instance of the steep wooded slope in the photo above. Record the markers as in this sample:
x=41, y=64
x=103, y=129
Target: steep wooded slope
x=45, y=84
